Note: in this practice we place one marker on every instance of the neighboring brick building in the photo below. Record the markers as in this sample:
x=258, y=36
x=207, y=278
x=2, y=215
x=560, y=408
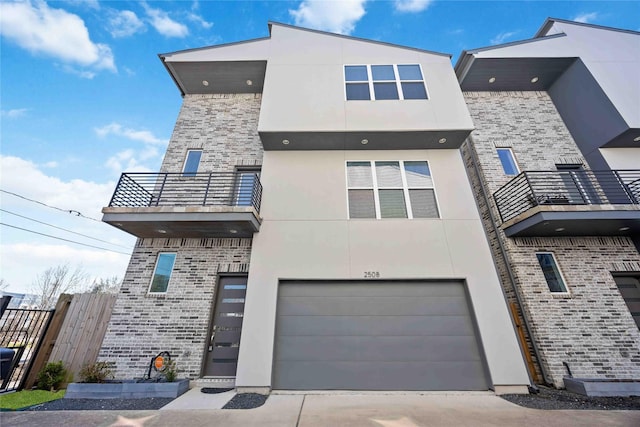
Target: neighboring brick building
x=554, y=162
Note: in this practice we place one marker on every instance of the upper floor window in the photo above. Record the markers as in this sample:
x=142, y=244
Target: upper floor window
x=378, y=82
x=391, y=189
x=551, y=272
x=508, y=161
x=162, y=272
x=191, y=162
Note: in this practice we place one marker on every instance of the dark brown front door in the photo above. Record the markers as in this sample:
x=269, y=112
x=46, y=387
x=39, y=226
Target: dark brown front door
x=224, y=342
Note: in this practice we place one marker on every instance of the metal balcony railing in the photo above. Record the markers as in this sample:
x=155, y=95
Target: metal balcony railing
x=567, y=187
x=188, y=189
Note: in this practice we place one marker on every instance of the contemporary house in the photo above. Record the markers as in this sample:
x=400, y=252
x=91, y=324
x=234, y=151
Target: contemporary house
x=313, y=226
x=555, y=165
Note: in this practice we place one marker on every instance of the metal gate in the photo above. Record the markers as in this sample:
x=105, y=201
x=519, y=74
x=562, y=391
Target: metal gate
x=21, y=331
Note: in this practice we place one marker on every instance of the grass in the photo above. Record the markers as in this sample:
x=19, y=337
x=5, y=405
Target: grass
x=25, y=398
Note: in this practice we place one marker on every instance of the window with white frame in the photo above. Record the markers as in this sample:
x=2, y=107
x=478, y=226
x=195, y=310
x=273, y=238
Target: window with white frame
x=508, y=161
x=191, y=162
x=380, y=82
x=551, y=272
x=391, y=189
x=162, y=272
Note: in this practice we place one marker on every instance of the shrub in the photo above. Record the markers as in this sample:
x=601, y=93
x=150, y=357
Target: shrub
x=171, y=371
x=51, y=376
x=96, y=372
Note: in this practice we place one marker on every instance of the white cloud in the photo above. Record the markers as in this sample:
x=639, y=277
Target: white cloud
x=502, y=37
x=586, y=17
x=130, y=160
x=41, y=29
x=411, y=5
x=124, y=23
x=166, y=26
x=51, y=164
x=135, y=135
x=14, y=113
x=334, y=16
x=92, y=4
x=24, y=254
x=199, y=20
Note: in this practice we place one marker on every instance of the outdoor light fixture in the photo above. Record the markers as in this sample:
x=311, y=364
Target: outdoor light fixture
x=249, y=82
x=205, y=83
x=623, y=229
x=534, y=80
x=636, y=139
x=162, y=231
x=233, y=231
x=442, y=140
x=492, y=79
x=560, y=229
x=285, y=141
x=364, y=142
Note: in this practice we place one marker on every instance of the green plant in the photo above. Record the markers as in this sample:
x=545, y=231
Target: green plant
x=171, y=371
x=51, y=376
x=96, y=372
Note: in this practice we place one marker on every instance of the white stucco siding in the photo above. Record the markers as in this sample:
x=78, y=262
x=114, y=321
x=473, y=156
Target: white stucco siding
x=305, y=88
x=306, y=234
x=622, y=158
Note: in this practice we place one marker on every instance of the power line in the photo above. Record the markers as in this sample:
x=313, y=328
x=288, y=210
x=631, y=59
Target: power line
x=69, y=211
x=64, y=229
x=60, y=238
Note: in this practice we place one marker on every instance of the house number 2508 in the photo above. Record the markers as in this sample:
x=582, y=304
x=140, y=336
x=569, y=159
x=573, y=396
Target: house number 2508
x=371, y=274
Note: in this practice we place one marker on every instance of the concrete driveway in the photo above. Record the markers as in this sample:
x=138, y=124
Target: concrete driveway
x=353, y=410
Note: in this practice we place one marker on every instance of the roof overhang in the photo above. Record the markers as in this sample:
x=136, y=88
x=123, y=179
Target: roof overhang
x=401, y=140
x=204, y=77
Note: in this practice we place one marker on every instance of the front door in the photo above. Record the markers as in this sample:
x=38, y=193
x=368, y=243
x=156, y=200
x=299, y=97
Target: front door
x=224, y=341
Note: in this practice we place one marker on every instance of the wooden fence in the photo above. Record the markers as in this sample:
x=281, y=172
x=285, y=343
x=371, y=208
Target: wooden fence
x=75, y=338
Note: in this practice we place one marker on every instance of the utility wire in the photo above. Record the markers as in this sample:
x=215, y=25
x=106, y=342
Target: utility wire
x=69, y=211
x=63, y=229
x=60, y=238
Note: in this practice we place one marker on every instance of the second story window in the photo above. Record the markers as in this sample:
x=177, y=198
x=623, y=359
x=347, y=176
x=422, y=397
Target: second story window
x=191, y=162
x=162, y=273
x=391, y=189
x=380, y=82
x=508, y=161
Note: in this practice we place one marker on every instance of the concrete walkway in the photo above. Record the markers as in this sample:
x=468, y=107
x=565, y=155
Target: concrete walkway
x=194, y=399
x=315, y=410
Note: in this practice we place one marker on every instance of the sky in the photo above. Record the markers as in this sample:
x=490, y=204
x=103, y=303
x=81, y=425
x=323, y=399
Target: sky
x=84, y=97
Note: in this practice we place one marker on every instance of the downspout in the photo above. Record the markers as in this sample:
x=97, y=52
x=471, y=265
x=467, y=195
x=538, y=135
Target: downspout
x=503, y=252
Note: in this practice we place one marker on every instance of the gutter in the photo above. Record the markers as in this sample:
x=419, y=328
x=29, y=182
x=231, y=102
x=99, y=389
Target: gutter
x=503, y=253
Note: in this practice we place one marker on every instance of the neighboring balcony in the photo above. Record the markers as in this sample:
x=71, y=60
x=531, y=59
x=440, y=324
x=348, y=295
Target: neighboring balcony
x=186, y=204
x=571, y=203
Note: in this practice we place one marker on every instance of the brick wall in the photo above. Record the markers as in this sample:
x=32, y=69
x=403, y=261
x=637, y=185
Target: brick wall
x=142, y=324
x=225, y=127
x=591, y=329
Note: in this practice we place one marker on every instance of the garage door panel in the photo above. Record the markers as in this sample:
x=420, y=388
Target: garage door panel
x=376, y=336
x=367, y=306
x=374, y=325
x=381, y=348
x=377, y=376
x=387, y=289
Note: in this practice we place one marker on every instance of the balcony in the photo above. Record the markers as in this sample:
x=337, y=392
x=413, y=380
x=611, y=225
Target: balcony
x=186, y=204
x=571, y=203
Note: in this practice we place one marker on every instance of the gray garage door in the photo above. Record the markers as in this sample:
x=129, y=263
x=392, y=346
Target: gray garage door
x=376, y=336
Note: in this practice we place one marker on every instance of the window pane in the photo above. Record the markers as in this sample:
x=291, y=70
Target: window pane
x=392, y=204
x=388, y=174
x=162, y=273
x=359, y=174
x=418, y=174
x=551, y=273
x=409, y=72
x=355, y=73
x=358, y=91
x=414, y=90
x=246, y=182
x=508, y=162
x=192, y=162
x=385, y=90
x=382, y=72
x=423, y=204
x=361, y=204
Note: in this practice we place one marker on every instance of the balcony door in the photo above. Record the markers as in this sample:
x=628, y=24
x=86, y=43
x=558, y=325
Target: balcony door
x=245, y=185
x=578, y=188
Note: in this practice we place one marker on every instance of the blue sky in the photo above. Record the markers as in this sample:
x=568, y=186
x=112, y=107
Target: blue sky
x=85, y=97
